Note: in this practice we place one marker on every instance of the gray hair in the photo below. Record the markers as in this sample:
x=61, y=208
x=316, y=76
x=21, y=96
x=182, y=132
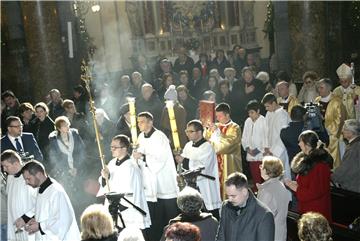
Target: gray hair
x=229, y=69
x=189, y=201
x=213, y=71
x=136, y=73
x=327, y=82
x=263, y=76
x=353, y=126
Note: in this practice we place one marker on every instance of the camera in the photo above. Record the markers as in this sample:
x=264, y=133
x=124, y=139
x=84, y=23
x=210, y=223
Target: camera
x=313, y=117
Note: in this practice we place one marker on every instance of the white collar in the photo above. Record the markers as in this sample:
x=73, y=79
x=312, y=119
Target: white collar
x=13, y=138
x=347, y=90
x=230, y=122
x=326, y=99
x=279, y=109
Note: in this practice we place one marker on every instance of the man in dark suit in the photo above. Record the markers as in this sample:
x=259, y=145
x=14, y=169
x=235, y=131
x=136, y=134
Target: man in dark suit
x=19, y=141
x=290, y=134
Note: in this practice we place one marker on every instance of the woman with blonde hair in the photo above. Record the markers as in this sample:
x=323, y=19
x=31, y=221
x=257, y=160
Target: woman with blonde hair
x=97, y=224
x=314, y=226
x=67, y=157
x=274, y=194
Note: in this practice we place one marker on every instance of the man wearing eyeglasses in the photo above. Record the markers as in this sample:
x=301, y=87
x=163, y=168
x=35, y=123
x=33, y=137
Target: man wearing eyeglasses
x=124, y=176
x=198, y=152
x=21, y=142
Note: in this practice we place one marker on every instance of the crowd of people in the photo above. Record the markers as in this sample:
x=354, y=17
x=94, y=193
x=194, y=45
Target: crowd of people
x=290, y=146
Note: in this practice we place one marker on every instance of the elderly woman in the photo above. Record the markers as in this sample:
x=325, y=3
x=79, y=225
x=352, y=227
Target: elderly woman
x=97, y=224
x=187, y=101
x=314, y=226
x=313, y=168
x=230, y=74
x=274, y=194
x=265, y=79
x=190, y=203
x=308, y=91
x=347, y=174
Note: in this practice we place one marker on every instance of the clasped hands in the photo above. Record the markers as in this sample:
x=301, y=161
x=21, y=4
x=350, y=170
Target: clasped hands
x=31, y=227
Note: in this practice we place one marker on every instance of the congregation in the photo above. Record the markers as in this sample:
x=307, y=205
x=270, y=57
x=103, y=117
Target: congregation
x=268, y=149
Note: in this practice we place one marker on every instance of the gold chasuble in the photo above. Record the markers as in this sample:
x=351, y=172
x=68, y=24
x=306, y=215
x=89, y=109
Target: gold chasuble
x=228, y=150
x=335, y=115
x=348, y=97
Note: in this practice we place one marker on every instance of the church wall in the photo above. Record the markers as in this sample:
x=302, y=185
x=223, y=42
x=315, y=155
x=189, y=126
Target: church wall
x=111, y=32
x=259, y=19
x=113, y=51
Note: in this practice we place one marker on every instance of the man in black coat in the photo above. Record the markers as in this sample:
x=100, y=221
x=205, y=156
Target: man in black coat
x=243, y=216
x=290, y=135
x=244, y=90
x=149, y=101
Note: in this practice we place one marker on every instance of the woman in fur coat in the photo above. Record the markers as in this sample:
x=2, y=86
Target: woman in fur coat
x=313, y=168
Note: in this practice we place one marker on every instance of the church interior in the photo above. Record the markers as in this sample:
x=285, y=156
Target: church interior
x=99, y=47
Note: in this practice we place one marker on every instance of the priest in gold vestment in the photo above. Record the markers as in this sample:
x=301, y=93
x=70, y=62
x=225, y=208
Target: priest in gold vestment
x=347, y=91
x=225, y=137
x=334, y=114
x=285, y=100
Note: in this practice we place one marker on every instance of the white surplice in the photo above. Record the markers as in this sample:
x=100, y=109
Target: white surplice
x=55, y=214
x=276, y=121
x=126, y=179
x=253, y=137
x=160, y=165
x=21, y=200
x=205, y=156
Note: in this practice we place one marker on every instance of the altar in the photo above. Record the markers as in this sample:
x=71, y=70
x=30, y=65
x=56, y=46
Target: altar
x=201, y=26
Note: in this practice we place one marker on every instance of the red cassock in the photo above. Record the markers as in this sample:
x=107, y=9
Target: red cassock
x=313, y=192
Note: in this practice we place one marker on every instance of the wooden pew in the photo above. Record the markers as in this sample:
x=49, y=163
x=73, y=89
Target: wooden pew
x=345, y=206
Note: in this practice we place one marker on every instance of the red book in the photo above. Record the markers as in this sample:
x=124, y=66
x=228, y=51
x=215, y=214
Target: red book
x=206, y=112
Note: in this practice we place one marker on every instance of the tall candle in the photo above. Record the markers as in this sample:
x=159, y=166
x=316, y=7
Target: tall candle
x=133, y=129
x=174, y=131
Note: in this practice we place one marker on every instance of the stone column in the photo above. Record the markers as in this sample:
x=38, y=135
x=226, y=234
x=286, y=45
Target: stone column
x=281, y=60
x=14, y=67
x=307, y=37
x=43, y=40
x=156, y=17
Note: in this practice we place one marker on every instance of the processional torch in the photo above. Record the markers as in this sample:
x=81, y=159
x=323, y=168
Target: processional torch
x=133, y=128
x=86, y=77
x=176, y=141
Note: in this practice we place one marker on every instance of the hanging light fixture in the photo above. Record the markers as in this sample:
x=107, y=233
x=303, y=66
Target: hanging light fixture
x=95, y=7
